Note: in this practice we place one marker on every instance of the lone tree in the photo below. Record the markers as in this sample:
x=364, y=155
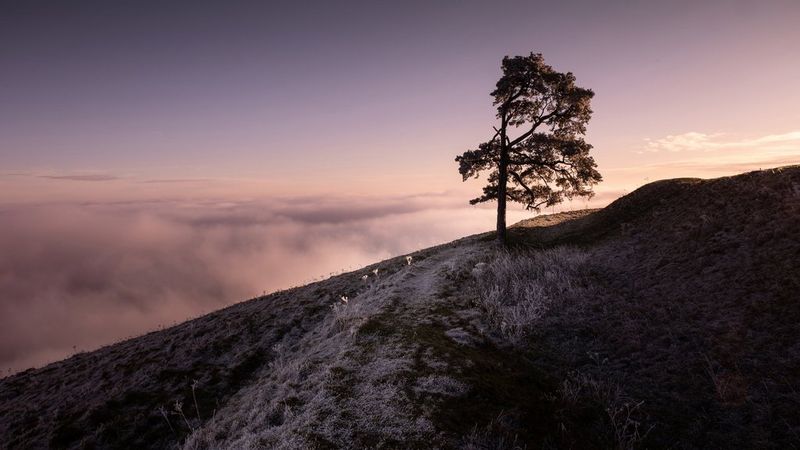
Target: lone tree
x=548, y=160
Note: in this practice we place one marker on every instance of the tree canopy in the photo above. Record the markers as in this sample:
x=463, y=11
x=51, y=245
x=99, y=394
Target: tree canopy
x=548, y=160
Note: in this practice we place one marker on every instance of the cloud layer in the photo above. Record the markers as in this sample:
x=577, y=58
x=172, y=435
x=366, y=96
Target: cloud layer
x=90, y=177
x=77, y=276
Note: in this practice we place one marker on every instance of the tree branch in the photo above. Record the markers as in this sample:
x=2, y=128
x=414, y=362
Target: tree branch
x=539, y=121
x=521, y=183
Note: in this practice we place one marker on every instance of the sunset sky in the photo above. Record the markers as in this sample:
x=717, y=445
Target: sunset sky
x=163, y=159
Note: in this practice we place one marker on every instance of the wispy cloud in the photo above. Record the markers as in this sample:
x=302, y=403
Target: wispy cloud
x=729, y=167
x=89, y=177
x=695, y=141
x=15, y=174
x=177, y=180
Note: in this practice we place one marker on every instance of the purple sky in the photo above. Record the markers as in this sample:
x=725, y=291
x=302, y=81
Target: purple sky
x=137, y=136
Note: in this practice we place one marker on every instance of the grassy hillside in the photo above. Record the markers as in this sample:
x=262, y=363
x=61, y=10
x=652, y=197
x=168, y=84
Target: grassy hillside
x=669, y=319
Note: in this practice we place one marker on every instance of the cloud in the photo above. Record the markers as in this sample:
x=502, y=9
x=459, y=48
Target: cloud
x=77, y=276
x=695, y=141
x=90, y=177
x=177, y=180
x=333, y=211
x=15, y=174
x=728, y=167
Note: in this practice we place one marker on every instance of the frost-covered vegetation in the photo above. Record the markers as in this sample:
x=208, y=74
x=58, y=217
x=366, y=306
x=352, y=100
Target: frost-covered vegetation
x=518, y=288
x=357, y=379
x=327, y=387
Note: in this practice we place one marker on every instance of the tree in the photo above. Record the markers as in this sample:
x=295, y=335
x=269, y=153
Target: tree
x=548, y=160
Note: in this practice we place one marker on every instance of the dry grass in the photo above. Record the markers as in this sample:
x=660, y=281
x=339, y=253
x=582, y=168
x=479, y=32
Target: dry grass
x=493, y=436
x=518, y=288
x=623, y=414
x=518, y=291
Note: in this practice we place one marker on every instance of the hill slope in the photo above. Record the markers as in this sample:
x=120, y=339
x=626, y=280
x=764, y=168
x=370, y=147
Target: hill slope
x=668, y=319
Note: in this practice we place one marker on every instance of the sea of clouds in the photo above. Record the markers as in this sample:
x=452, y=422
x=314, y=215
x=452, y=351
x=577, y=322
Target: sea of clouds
x=76, y=276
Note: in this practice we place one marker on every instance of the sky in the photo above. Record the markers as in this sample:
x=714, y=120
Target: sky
x=159, y=160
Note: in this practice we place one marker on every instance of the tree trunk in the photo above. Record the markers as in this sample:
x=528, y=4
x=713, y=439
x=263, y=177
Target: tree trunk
x=502, y=181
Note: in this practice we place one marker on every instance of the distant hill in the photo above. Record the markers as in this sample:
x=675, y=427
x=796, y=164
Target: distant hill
x=669, y=319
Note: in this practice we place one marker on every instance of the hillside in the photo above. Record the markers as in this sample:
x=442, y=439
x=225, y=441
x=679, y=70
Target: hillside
x=669, y=319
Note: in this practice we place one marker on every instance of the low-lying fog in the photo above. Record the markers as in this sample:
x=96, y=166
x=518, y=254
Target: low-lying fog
x=76, y=276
